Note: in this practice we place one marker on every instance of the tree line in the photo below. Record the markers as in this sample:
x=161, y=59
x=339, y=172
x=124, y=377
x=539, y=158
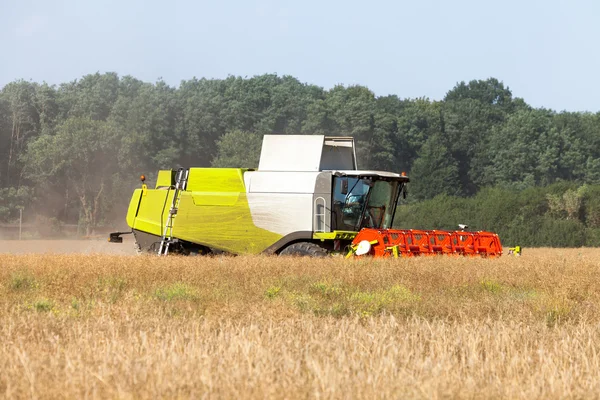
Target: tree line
x=72, y=152
x=563, y=214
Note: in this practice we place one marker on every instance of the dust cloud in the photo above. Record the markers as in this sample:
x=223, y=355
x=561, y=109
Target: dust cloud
x=97, y=246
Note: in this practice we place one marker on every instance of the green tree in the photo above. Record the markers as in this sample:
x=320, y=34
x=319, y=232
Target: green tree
x=20, y=124
x=418, y=120
x=238, y=149
x=11, y=200
x=351, y=110
x=93, y=96
x=151, y=136
x=202, y=104
x=489, y=91
x=526, y=150
x=435, y=172
x=83, y=155
x=470, y=114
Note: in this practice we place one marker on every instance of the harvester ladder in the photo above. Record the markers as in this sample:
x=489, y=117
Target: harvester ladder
x=167, y=239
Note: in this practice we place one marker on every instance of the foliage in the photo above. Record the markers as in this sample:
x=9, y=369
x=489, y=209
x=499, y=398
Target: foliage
x=82, y=156
x=435, y=171
x=12, y=199
x=238, y=149
x=73, y=151
x=21, y=281
x=559, y=215
x=176, y=291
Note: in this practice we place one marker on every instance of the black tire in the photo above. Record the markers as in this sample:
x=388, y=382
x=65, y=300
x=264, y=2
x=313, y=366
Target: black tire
x=304, y=249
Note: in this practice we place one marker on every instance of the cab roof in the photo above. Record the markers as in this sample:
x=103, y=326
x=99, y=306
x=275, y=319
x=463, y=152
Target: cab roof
x=369, y=173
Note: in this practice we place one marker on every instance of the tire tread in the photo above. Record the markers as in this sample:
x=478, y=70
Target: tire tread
x=304, y=249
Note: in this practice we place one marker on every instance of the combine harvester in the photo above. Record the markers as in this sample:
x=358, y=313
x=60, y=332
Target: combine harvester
x=306, y=198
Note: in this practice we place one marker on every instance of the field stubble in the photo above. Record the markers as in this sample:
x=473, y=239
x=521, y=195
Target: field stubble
x=434, y=327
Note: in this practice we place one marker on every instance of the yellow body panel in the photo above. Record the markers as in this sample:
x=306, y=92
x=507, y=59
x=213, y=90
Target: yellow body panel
x=227, y=227
x=215, y=199
x=133, y=205
x=335, y=235
x=216, y=180
x=213, y=211
x=165, y=178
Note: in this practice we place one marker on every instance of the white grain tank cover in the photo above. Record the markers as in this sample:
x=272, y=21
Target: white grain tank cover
x=307, y=153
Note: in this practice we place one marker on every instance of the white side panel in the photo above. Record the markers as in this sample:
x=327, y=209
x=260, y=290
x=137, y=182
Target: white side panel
x=282, y=213
x=291, y=153
x=280, y=182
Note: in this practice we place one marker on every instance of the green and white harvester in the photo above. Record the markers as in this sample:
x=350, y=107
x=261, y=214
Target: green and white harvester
x=307, y=197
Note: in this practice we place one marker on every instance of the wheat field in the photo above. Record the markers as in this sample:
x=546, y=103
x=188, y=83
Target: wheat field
x=117, y=326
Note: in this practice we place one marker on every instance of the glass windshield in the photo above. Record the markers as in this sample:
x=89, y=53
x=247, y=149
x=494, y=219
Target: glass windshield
x=380, y=207
x=363, y=203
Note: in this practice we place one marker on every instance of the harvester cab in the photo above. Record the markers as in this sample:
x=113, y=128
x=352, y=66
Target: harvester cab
x=307, y=197
x=365, y=200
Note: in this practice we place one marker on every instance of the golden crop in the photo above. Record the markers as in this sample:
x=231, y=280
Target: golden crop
x=107, y=326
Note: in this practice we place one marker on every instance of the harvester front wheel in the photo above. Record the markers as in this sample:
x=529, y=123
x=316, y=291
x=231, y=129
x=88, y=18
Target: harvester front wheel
x=304, y=249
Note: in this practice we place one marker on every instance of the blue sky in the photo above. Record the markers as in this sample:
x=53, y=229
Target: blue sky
x=547, y=52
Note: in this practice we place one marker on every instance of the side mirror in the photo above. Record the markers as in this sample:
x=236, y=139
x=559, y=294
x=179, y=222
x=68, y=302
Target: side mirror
x=344, y=183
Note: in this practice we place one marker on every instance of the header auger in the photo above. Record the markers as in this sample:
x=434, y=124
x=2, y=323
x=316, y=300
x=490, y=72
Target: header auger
x=307, y=198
